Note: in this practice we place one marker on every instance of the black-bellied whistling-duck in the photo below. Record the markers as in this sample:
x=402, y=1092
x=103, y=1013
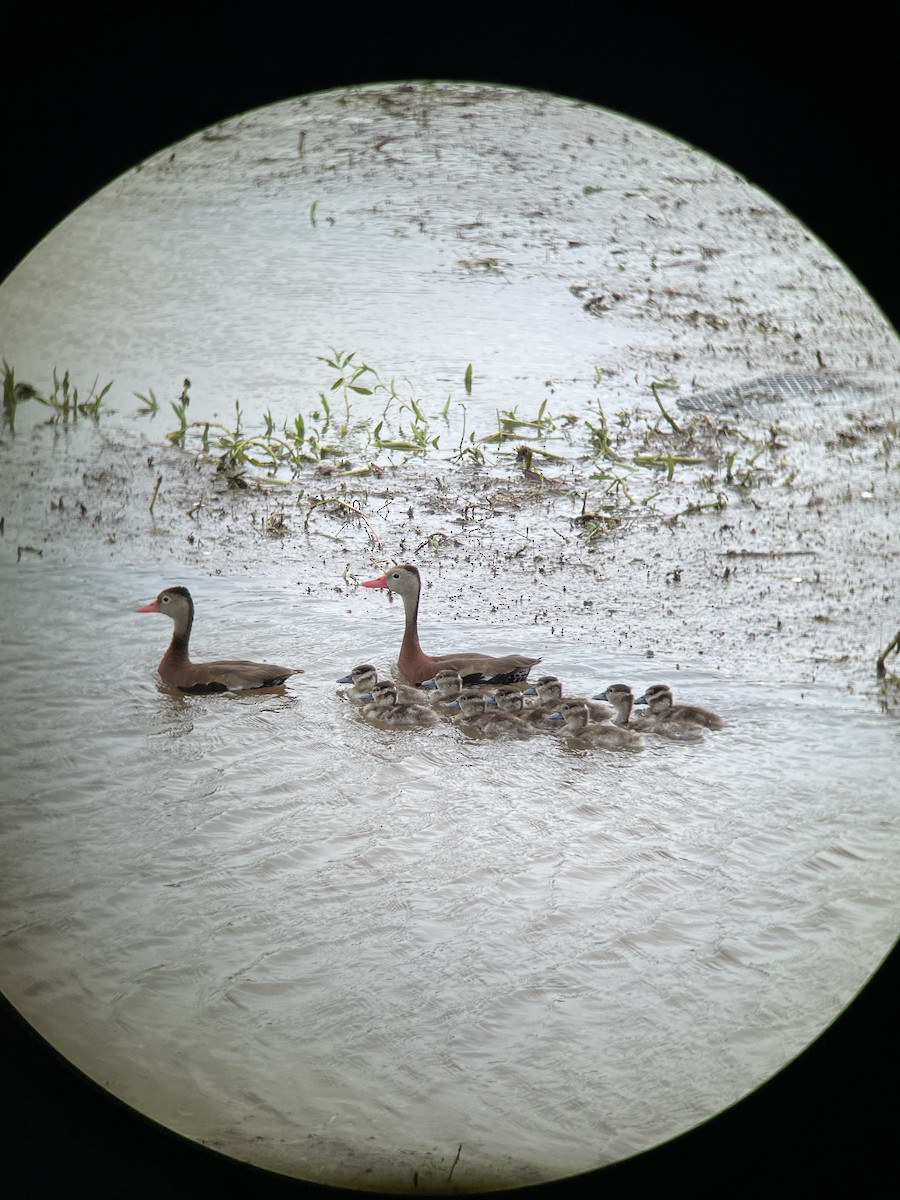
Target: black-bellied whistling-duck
x=364, y=677
x=417, y=666
x=472, y=712
x=591, y=733
x=663, y=710
x=226, y=675
x=549, y=691
x=384, y=706
x=510, y=700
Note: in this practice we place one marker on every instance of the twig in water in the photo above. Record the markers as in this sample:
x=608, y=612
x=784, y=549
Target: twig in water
x=893, y=644
x=155, y=493
x=456, y=1160
x=673, y=423
x=351, y=508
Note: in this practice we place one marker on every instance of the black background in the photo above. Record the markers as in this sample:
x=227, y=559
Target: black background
x=805, y=107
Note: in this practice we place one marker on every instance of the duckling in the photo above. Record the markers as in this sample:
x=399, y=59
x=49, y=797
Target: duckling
x=664, y=711
x=538, y=717
x=472, y=712
x=608, y=737
x=364, y=678
x=622, y=699
x=383, y=706
x=620, y=696
x=549, y=691
x=447, y=683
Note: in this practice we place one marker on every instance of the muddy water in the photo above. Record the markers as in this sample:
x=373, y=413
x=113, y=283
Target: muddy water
x=537, y=238
x=334, y=949
x=341, y=952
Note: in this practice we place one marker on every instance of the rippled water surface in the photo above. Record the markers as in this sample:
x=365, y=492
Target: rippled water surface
x=414, y=960
x=337, y=949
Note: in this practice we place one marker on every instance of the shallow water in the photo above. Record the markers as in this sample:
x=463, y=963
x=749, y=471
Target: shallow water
x=333, y=948
x=453, y=225
x=381, y=958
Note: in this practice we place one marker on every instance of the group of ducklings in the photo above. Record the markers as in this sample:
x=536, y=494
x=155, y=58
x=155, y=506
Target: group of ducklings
x=604, y=721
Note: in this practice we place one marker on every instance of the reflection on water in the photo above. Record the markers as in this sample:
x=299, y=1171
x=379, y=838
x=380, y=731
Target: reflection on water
x=330, y=947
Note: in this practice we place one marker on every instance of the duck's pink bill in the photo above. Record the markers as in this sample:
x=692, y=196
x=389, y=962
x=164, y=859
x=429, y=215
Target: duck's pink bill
x=153, y=606
x=381, y=582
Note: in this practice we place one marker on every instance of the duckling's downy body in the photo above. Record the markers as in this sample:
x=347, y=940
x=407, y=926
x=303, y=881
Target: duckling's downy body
x=364, y=678
x=446, y=687
x=549, y=692
x=385, y=708
x=223, y=675
x=604, y=736
x=510, y=700
x=621, y=698
x=664, y=711
x=472, y=712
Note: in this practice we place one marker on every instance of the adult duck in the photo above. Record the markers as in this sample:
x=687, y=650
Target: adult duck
x=384, y=706
x=590, y=733
x=664, y=710
x=224, y=675
x=363, y=679
x=417, y=666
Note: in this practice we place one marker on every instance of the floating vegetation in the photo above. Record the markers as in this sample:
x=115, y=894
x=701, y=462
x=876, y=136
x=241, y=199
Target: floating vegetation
x=65, y=402
x=881, y=670
x=348, y=510
x=13, y=395
x=64, y=399
x=637, y=461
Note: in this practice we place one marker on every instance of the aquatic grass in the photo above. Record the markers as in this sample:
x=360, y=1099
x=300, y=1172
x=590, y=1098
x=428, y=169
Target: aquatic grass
x=66, y=404
x=880, y=669
x=150, y=403
x=156, y=488
x=13, y=395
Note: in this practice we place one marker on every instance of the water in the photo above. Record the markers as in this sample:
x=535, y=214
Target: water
x=343, y=952
x=329, y=947
x=476, y=234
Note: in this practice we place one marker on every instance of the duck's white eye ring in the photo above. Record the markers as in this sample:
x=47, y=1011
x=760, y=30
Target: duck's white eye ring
x=166, y=599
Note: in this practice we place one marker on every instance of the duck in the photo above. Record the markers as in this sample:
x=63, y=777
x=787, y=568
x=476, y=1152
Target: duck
x=448, y=684
x=417, y=666
x=472, y=707
x=224, y=675
x=549, y=692
x=537, y=717
x=663, y=709
x=364, y=677
x=385, y=707
x=607, y=737
x=621, y=697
